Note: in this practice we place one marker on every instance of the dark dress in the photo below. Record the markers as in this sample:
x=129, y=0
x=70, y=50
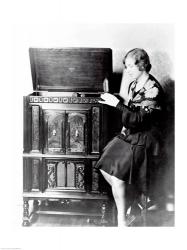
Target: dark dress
x=130, y=155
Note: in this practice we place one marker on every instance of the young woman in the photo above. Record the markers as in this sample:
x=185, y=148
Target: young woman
x=128, y=158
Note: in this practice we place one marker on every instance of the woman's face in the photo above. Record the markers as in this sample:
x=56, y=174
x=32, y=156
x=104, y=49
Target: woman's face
x=132, y=69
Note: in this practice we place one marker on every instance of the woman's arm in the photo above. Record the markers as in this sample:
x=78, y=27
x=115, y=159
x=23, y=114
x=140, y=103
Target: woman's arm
x=137, y=117
x=133, y=117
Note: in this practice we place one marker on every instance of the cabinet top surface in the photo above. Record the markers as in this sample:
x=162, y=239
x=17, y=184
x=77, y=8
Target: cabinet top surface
x=70, y=69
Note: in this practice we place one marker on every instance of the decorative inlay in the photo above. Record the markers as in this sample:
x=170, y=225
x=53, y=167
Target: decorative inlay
x=41, y=99
x=95, y=178
x=51, y=175
x=95, y=129
x=35, y=127
x=54, y=131
x=35, y=173
x=80, y=176
x=76, y=132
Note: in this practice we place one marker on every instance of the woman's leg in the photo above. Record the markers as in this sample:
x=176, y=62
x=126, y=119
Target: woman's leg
x=118, y=191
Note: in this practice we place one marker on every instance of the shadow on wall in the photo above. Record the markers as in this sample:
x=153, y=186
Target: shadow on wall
x=162, y=66
x=162, y=69
x=169, y=134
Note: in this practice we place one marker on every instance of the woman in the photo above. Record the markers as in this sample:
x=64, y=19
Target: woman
x=128, y=158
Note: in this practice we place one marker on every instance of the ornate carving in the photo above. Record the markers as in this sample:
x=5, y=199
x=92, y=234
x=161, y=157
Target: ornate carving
x=25, y=213
x=80, y=176
x=68, y=100
x=76, y=132
x=95, y=129
x=35, y=128
x=65, y=202
x=66, y=174
x=54, y=131
x=103, y=214
x=95, y=178
x=51, y=175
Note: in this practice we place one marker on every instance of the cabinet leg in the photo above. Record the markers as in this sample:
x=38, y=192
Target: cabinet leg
x=26, y=221
x=35, y=205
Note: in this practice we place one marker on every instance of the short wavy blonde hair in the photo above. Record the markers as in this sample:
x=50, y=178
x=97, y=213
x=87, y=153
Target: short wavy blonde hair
x=141, y=59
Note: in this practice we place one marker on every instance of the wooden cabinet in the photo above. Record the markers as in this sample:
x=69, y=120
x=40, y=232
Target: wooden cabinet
x=65, y=132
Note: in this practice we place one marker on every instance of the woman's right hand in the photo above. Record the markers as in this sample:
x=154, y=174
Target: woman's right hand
x=109, y=99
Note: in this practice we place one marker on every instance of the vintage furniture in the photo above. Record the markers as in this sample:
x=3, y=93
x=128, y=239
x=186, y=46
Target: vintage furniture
x=65, y=129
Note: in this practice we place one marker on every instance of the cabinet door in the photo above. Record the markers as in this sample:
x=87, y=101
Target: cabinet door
x=65, y=174
x=54, y=131
x=76, y=132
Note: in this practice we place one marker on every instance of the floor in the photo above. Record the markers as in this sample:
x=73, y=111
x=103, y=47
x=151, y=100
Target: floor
x=157, y=220
x=154, y=218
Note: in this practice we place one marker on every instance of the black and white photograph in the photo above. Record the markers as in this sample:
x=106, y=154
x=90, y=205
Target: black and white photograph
x=91, y=112
x=93, y=165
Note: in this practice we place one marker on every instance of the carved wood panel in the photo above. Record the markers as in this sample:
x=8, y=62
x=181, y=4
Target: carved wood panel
x=35, y=128
x=76, y=133
x=61, y=174
x=32, y=174
x=71, y=174
x=80, y=173
x=51, y=175
x=95, y=129
x=95, y=178
x=35, y=174
x=65, y=174
x=54, y=131
x=27, y=173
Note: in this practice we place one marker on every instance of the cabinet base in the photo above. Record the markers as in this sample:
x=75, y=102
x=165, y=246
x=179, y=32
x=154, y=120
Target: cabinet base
x=91, y=212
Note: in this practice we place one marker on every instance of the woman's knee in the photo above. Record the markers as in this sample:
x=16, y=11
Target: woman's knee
x=116, y=182
x=106, y=176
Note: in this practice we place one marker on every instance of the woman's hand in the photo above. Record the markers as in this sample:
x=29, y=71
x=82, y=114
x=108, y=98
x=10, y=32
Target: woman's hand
x=109, y=99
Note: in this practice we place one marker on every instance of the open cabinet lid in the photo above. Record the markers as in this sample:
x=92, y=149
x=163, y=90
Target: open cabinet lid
x=70, y=69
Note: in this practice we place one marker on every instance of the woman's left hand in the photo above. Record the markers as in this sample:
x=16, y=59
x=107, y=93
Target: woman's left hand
x=109, y=99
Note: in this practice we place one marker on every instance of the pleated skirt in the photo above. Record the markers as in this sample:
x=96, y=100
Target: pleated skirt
x=123, y=160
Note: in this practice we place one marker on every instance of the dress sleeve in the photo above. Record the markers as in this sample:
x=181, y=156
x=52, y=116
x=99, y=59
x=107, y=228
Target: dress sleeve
x=136, y=117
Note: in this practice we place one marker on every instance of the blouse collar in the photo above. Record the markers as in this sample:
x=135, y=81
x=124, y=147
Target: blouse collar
x=141, y=81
